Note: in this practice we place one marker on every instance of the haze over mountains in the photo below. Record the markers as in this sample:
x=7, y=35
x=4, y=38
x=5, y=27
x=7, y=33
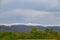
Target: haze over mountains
x=23, y=27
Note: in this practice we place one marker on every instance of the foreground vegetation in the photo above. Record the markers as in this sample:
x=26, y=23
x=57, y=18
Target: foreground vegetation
x=32, y=34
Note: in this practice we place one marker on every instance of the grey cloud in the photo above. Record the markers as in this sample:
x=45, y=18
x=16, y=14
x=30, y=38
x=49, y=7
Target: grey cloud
x=45, y=5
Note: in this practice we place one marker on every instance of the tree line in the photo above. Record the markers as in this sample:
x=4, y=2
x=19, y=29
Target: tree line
x=34, y=33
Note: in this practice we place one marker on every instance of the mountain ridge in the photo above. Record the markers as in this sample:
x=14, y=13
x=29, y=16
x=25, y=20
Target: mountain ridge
x=24, y=28
x=29, y=24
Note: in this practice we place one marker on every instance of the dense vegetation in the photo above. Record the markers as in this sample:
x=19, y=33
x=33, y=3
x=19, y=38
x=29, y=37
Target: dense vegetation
x=32, y=34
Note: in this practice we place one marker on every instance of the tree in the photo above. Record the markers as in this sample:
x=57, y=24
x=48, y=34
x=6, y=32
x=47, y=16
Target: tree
x=51, y=34
x=36, y=33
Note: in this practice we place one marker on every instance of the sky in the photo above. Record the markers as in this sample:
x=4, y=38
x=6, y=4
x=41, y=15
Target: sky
x=30, y=11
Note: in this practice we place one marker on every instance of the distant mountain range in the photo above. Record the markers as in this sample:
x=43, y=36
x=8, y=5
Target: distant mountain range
x=24, y=27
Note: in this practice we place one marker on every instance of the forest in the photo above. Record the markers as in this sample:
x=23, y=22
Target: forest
x=34, y=33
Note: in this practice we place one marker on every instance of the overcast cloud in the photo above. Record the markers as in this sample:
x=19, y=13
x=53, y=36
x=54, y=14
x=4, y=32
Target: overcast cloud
x=30, y=11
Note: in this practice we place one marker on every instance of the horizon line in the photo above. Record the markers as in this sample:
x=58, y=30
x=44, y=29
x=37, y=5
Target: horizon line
x=28, y=24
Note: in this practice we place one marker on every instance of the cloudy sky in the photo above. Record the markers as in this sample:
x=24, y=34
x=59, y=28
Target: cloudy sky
x=30, y=11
